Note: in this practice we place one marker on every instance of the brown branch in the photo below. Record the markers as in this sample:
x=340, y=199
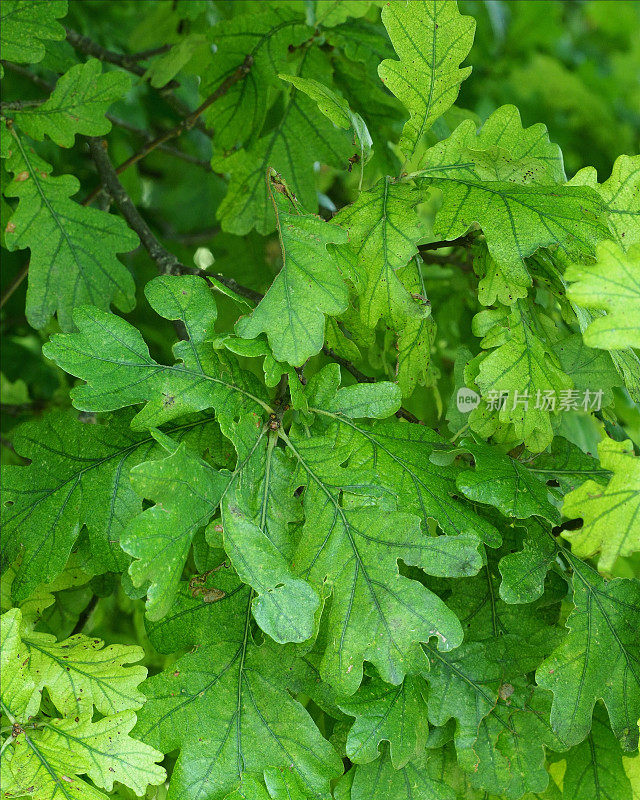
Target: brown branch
x=184, y=125
x=25, y=73
x=232, y=284
x=143, y=55
x=129, y=62
x=83, y=619
x=165, y=148
x=15, y=283
x=461, y=241
x=166, y=262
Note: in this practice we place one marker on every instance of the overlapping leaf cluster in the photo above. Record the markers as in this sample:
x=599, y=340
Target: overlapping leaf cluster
x=338, y=600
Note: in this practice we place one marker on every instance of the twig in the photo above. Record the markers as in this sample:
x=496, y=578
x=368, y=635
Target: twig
x=143, y=55
x=84, y=616
x=357, y=374
x=129, y=62
x=243, y=291
x=15, y=283
x=186, y=124
x=166, y=262
x=25, y=73
x=461, y=241
x=165, y=148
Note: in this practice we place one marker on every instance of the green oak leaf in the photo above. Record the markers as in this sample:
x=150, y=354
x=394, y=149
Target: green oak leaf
x=505, y=483
x=383, y=712
x=620, y=194
x=383, y=229
x=464, y=685
x=612, y=284
x=78, y=105
x=356, y=401
x=500, y=150
x=329, y=13
x=38, y=604
x=524, y=572
x=46, y=763
x=26, y=24
x=352, y=548
x=79, y=475
x=48, y=754
x=610, y=514
x=510, y=744
x=593, y=372
x=301, y=137
x=399, y=453
x=415, y=337
x=258, y=510
x=225, y=705
x=379, y=780
x=567, y=464
x=80, y=673
x=309, y=286
x=595, y=770
x=529, y=633
x=168, y=65
x=521, y=365
x=336, y=108
x=19, y=693
x=264, y=35
x=598, y=659
x=517, y=219
x=186, y=492
x=73, y=248
x=111, y=355
x=257, y=504
x=431, y=39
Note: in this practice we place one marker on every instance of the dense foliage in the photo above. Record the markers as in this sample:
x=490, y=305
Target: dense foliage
x=320, y=400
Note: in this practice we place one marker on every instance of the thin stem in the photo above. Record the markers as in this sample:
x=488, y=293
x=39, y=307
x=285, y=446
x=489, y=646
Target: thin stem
x=357, y=374
x=235, y=287
x=143, y=55
x=84, y=616
x=166, y=262
x=184, y=125
x=8, y=714
x=461, y=241
x=129, y=62
x=165, y=148
x=36, y=80
x=15, y=283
